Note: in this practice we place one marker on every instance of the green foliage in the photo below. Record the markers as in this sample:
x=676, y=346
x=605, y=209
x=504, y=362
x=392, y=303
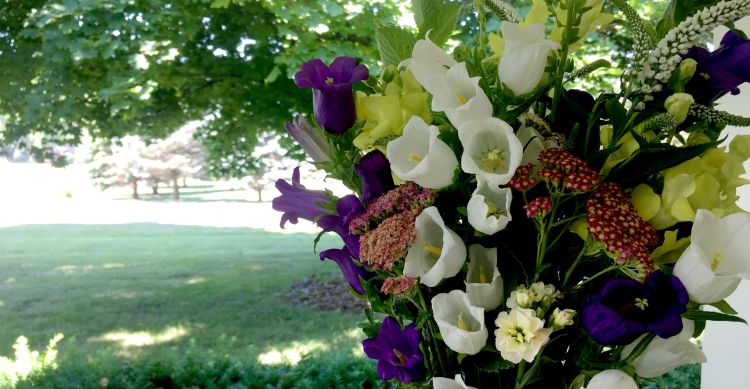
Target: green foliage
x=394, y=43
x=438, y=17
x=679, y=10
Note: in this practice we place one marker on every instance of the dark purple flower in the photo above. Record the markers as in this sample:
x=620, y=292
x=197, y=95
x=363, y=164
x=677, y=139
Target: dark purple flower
x=350, y=269
x=625, y=309
x=309, y=138
x=720, y=71
x=298, y=202
x=333, y=101
x=374, y=173
x=397, y=352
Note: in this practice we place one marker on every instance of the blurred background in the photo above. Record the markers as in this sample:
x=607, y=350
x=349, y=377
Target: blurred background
x=140, y=144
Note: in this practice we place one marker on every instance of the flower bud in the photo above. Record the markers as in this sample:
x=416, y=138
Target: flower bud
x=562, y=318
x=687, y=69
x=678, y=105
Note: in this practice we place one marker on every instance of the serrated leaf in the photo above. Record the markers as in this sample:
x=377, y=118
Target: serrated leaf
x=651, y=159
x=436, y=16
x=712, y=316
x=394, y=43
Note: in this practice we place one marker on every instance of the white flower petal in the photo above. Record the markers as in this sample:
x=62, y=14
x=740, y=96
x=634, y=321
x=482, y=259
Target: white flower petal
x=478, y=208
x=491, y=150
x=663, y=355
x=483, y=267
x=447, y=309
x=520, y=335
x=447, y=383
x=524, y=58
x=433, y=237
x=427, y=61
x=612, y=379
x=420, y=156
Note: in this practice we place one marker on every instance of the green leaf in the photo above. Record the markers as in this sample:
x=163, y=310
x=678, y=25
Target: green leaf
x=724, y=307
x=654, y=158
x=395, y=44
x=619, y=117
x=220, y=3
x=679, y=10
x=712, y=316
x=436, y=16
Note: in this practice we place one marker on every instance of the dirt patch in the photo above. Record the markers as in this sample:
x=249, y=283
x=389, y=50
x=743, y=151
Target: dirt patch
x=329, y=294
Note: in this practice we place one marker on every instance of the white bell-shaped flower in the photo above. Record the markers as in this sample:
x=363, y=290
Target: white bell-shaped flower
x=663, y=355
x=484, y=285
x=489, y=208
x=716, y=261
x=524, y=57
x=491, y=150
x=533, y=144
x=438, y=252
x=461, y=324
x=427, y=61
x=460, y=96
x=520, y=335
x=447, y=383
x=420, y=156
x=612, y=379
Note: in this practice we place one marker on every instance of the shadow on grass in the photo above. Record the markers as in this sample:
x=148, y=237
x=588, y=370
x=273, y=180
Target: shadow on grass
x=190, y=195
x=148, y=290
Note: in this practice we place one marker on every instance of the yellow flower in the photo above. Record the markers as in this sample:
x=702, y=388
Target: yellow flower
x=671, y=249
x=628, y=146
x=590, y=20
x=386, y=114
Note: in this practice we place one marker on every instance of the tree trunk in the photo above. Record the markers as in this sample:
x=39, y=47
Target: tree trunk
x=176, y=187
x=260, y=195
x=184, y=182
x=134, y=185
x=155, y=189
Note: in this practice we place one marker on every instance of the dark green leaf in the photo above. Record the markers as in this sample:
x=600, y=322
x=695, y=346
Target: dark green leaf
x=652, y=159
x=395, y=44
x=724, y=307
x=712, y=316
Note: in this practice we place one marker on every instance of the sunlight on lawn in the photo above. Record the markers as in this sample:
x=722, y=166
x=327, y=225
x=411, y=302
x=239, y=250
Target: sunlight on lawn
x=142, y=338
x=293, y=354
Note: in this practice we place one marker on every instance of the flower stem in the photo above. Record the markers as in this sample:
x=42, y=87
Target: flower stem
x=431, y=334
x=573, y=266
x=519, y=374
x=586, y=281
x=571, y=8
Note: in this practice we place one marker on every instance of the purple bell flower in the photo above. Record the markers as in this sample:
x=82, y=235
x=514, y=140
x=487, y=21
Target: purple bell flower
x=721, y=71
x=625, y=309
x=350, y=269
x=310, y=139
x=297, y=202
x=374, y=173
x=333, y=101
x=397, y=352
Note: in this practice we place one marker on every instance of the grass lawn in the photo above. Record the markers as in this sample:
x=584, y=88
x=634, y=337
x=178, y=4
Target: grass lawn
x=121, y=292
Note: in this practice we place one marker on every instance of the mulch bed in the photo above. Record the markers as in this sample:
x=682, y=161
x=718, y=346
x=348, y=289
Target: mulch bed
x=324, y=294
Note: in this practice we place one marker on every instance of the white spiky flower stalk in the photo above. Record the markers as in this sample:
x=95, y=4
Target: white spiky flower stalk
x=667, y=54
x=503, y=10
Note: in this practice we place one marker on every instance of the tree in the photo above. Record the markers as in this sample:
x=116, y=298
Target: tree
x=270, y=160
x=178, y=156
x=145, y=67
x=119, y=163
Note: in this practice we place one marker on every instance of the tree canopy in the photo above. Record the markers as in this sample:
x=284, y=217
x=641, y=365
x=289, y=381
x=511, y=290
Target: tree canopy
x=147, y=66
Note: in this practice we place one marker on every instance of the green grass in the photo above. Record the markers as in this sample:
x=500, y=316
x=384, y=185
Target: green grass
x=170, y=290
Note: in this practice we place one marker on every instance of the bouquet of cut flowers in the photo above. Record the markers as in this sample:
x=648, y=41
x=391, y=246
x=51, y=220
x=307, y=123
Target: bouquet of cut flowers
x=511, y=231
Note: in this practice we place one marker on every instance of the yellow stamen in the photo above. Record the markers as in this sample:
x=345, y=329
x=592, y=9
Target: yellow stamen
x=459, y=98
x=329, y=80
x=461, y=323
x=401, y=358
x=415, y=157
x=483, y=275
x=435, y=251
x=716, y=259
x=493, y=211
x=641, y=303
x=705, y=76
x=492, y=161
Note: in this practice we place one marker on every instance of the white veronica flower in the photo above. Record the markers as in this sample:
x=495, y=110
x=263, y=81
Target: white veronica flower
x=663, y=355
x=489, y=208
x=461, y=324
x=437, y=253
x=459, y=96
x=520, y=335
x=420, y=156
x=716, y=261
x=491, y=150
x=612, y=379
x=427, y=61
x=484, y=285
x=524, y=58
x=447, y=383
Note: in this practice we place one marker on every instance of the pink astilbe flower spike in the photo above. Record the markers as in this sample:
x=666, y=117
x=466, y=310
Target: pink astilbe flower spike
x=398, y=285
x=389, y=242
x=404, y=197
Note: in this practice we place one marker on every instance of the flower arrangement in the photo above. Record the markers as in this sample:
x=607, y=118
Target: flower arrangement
x=510, y=231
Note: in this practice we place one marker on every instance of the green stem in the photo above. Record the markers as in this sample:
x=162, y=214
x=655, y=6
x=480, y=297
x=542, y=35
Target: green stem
x=519, y=375
x=431, y=334
x=586, y=281
x=640, y=348
x=563, y=57
x=573, y=266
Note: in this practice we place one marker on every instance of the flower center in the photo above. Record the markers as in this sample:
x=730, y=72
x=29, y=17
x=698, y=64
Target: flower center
x=460, y=99
x=483, y=275
x=641, y=303
x=460, y=323
x=400, y=357
x=435, y=251
x=492, y=161
x=329, y=80
x=414, y=157
x=518, y=334
x=716, y=259
x=705, y=76
x=493, y=211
